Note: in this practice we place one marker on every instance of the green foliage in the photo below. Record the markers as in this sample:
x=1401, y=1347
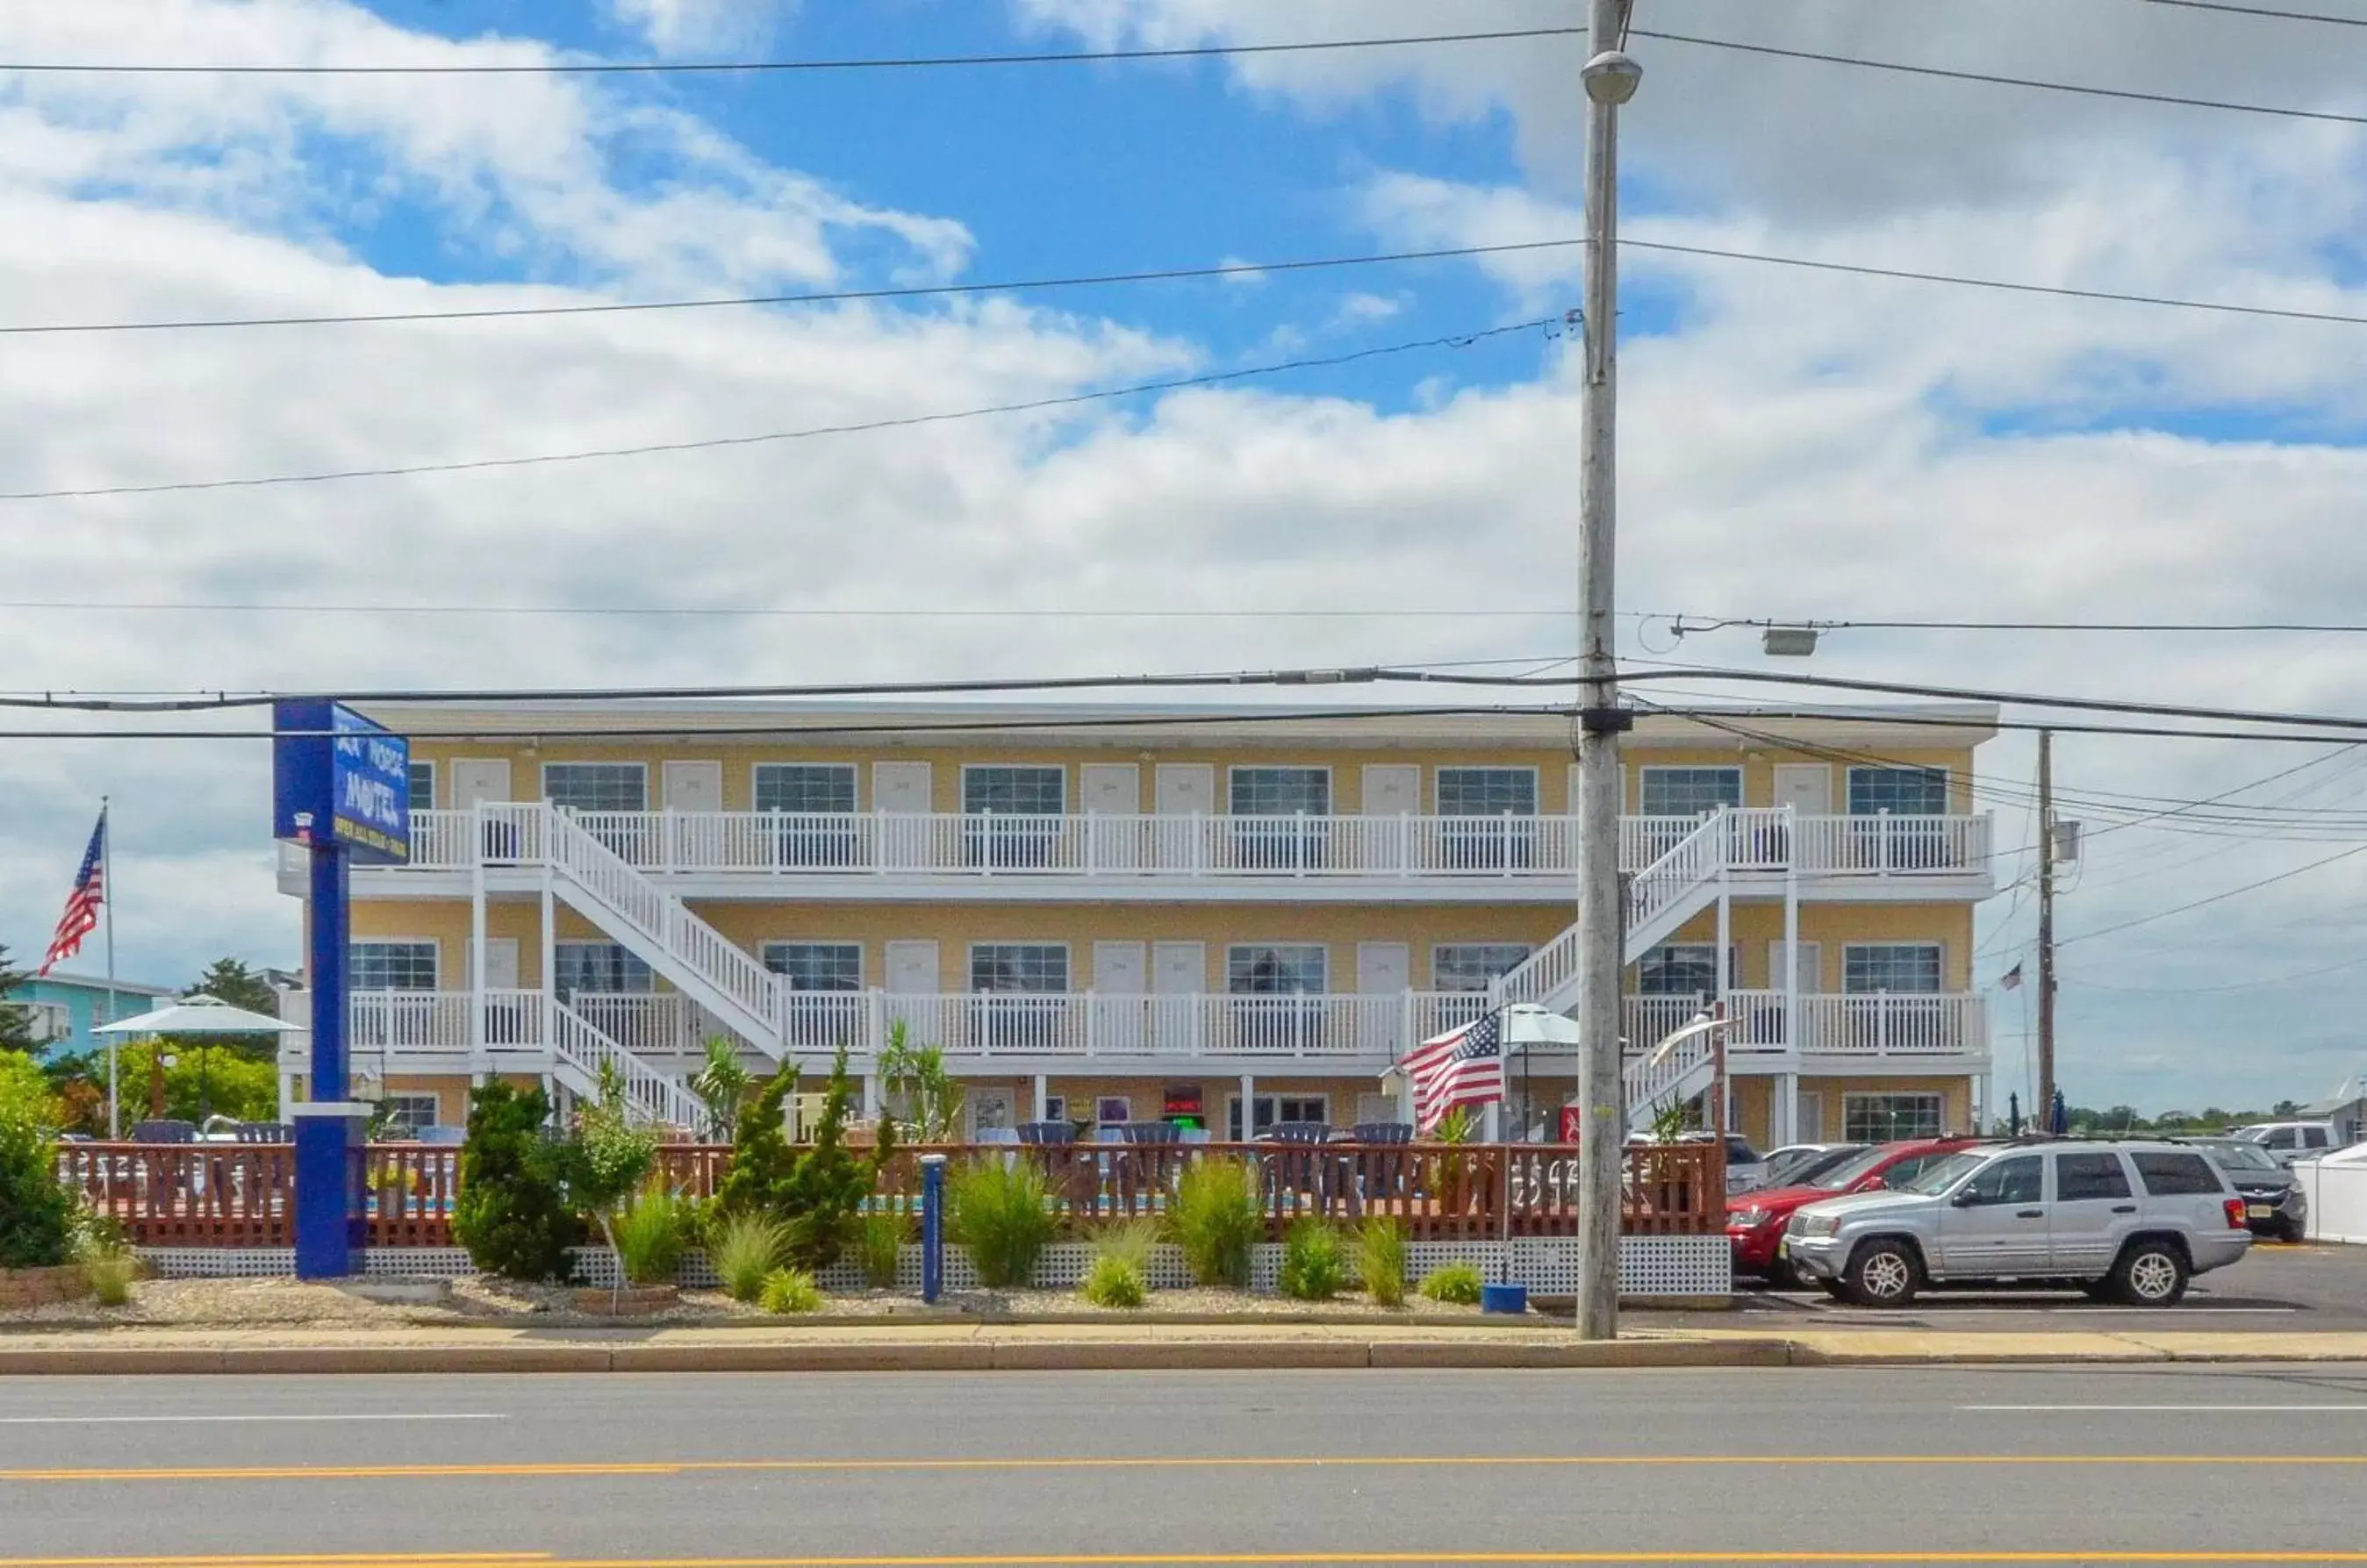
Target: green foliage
x=1215, y=1218
x=744, y=1249
x=1458, y=1126
x=1381, y=1260
x=1114, y=1282
x=16, y=1022
x=110, y=1274
x=206, y=1079
x=790, y=1291
x=1314, y=1261
x=511, y=1213
x=1130, y=1242
x=817, y=1190
x=1002, y=1214
x=914, y=1077
x=229, y=980
x=609, y=1158
x=879, y=1239
x=1670, y=1119
x=36, y=1215
x=1455, y=1284
x=722, y=1087
x=650, y=1236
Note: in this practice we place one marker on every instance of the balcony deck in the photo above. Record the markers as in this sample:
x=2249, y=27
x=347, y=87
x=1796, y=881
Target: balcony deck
x=853, y=856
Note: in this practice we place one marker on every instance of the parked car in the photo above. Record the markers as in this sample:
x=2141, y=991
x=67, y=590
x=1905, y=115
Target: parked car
x=2274, y=1203
x=2132, y=1221
x=2289, y=1141
x=1755, y=1221
x=1794, y=1164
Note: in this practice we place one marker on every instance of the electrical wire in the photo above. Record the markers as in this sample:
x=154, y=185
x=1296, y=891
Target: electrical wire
x=831, y=296
x=113, y=606
x=717, y=67
x=2205, y=990
x=1684, y=625
x=1071, y=400
x=2216, y=897
x=2263, y=11
x=2128, y=95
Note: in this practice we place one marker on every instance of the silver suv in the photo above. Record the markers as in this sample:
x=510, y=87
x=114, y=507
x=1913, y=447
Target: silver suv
x=2132, y=1220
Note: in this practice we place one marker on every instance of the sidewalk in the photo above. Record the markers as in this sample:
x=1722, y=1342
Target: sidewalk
x=1097, y=1346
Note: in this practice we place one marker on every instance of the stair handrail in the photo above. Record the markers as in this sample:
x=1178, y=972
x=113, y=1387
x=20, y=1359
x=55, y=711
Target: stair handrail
x=1554, y=964
x=656, y=1096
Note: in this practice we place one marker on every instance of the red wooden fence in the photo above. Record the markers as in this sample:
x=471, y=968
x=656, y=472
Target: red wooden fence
x=244, y=1195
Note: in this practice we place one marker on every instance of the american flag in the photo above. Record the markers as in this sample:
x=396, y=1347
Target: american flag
x=89, y=892
x=1465, y=1067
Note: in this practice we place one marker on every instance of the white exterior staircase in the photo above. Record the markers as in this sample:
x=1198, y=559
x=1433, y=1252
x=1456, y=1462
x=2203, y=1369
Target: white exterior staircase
x=579, y=1050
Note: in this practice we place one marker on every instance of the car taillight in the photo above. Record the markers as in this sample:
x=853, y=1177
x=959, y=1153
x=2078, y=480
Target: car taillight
x=2234, y=1207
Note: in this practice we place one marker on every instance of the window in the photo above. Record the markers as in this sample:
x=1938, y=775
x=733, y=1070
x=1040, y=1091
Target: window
x=597, y=786
x=1900, y=1172
x=408, y=1115
x=1888, y=1118
x=1681, y=969
x=391, y=966
x=1487, y=791
x=1276, y=970
x=2014, y=1181
x=1015, y=791
x=602, y=968
x=1280, y=792
x=2097, y=1175
x=1902, y=792
x=2177, y=1174
x=805, y=786
x=1018, y=966
x=1273, y=1109
x=47, y=1021
x=1689, y=792
x=1113, y=1109
x=1469, y=965
x=1904, y=967
x=817, y=966
x=1055, y=1108
x=423, y=786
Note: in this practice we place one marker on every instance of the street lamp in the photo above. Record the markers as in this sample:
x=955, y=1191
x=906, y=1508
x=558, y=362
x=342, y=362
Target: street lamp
x=1610, y=79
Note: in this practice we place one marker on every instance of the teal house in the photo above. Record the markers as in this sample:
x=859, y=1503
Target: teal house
x=66, y=1008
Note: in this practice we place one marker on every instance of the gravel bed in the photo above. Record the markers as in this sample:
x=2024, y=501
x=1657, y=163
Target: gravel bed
x=285, y=1302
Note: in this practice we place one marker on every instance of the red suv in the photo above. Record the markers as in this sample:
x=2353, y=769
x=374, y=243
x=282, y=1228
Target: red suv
x=1755, y=1221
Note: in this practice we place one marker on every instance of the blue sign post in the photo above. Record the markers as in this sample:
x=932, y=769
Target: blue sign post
x=933, y=1228
x=341, y=787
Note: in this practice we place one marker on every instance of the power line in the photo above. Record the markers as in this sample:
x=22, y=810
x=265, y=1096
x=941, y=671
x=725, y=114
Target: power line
x=2263, y=11
x=831, y=296
x=717, y=67
x=1682, y=625
x=2236, y=986
x=2128, y=95
x=2215, y=898
x=113, y=606
x=1464, y=340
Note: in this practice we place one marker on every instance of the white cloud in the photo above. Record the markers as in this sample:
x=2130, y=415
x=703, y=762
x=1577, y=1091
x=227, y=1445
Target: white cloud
x=704, y=26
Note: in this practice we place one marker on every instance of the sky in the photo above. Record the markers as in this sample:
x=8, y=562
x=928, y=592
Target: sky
x=1794, y=444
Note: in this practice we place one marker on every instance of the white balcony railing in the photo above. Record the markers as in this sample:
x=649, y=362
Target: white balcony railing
x=1884, y=1024
x=1113, y=847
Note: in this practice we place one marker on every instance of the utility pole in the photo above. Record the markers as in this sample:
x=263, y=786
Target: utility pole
x=2046, y=930
x=1610, y=79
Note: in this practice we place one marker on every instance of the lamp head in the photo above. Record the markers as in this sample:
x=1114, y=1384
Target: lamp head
x=1611, y=77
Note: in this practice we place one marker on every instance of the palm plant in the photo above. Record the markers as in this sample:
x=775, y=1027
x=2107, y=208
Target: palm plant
x=722, y=1086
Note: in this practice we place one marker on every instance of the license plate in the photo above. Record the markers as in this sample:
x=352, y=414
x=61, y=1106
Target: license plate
x=1783, y=1248
x=2261, y=1210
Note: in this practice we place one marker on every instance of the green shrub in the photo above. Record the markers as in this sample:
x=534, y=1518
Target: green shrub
x=1131, y=1242
x=1381, y=1260
x=36, y=1215
x=649, y=1233
x=1002, y=1213
x=1456, y=1284
x=1215, y=1218
x=879, y=1238
x=1114, y=1282
x=790, y=1291
x=816, y=1190
x=1314, y=1261
x=110, y=1277
x=511, y=1215
x=744, y=1250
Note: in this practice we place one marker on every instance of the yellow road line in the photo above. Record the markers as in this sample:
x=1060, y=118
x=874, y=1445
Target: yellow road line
x=612, y=1468
x=1184, y=1559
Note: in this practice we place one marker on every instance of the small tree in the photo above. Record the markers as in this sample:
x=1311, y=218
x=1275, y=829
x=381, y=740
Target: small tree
x=722, y=1087
x=817, y=1190
x=511, y=1215
x=607, y=1159
x=917, y=1077
x=37, y=1212
x=16, y=1020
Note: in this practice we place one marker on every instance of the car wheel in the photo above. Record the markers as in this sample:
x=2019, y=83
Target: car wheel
x=1881, y=1274
x=1781, y=1276
x=2294, y=1232
x=2150, y=1273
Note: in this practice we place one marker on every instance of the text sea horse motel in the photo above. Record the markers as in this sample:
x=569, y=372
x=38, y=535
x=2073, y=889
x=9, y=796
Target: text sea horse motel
x=1202, y=916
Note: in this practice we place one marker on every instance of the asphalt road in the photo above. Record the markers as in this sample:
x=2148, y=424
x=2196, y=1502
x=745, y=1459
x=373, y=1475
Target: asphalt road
x=925, y=1470
x=2277, y=1288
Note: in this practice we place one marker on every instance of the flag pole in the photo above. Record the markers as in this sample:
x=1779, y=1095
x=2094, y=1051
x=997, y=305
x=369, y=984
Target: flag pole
x=107, y=888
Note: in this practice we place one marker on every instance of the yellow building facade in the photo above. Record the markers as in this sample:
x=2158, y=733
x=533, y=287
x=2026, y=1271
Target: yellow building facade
x=1110, y=916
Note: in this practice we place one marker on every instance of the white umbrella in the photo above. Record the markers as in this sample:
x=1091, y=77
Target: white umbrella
x=200, y=1015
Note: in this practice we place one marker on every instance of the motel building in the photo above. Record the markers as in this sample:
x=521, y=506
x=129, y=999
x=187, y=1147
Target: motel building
x=1198, y=915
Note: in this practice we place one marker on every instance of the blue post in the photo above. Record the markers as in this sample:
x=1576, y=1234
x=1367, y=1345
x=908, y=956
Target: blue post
x=933, y=1228
x=330, y=1131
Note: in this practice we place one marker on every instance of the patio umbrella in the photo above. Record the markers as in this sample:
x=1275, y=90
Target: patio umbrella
x=192, y=1015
